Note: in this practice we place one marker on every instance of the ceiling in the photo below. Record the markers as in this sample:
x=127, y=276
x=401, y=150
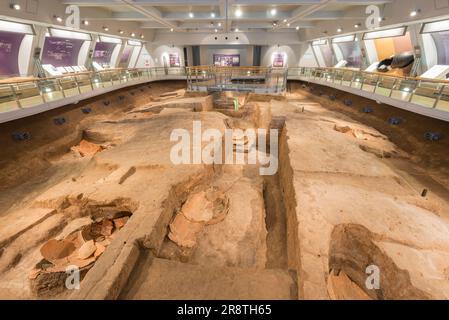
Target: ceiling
x=218, y=16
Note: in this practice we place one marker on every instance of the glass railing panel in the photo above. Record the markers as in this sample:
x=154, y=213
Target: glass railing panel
x=29, y=94
x=50, y=89
x=369, y=82
x=403, y=89
x=69, y=86
x=385, y=85
x=347, y=78
x=426, y=94
x=106, y=79
x=7, y=98
x=443, y=101
x=357, y=80
x=84, y=83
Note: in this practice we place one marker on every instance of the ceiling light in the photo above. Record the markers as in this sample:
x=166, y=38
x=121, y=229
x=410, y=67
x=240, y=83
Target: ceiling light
x=414, y=13
x=219, y=24
x=212, y=15
x=216, y=30
x=133, y=34
x=357, y=25
x=121, y=31
x=380, y=19
x=237, y=30
x=288, y=24
x=171, y=30
x=14, y=6
x=297, y=28
x=86, y=23
x=105, y=28
x=238, y=13
x=339, y=30
x=273, y=12
x=191, y=15
x=142, y=36
x=274, y=24
x=58, y=18
x=285, y=20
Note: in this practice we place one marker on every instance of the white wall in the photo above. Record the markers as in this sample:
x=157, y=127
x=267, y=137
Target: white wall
x=292, y=53
x=158, y=52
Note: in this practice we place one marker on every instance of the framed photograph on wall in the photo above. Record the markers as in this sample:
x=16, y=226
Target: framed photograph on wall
x=174, y=60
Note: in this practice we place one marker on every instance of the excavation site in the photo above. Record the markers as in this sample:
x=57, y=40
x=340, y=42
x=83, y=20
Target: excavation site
x=113, y=198
x=224, y=159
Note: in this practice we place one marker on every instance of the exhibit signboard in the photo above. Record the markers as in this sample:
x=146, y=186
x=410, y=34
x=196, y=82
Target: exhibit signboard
x=61, y=52
x=103, y=52
x=174, y=60
x=278, y=60
x=9, y=52
x=227, y=60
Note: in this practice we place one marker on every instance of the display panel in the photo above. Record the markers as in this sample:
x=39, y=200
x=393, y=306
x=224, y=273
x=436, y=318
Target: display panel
x=9, y=52
x=103, y=52
x=227, y=60
x=278, y=60
x=174, y=60
x=61, y=52
x=441, y=40
x=387, y=47
x=350, y=52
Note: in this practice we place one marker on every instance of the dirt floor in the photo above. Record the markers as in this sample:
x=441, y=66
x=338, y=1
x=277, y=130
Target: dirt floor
x=100, y=192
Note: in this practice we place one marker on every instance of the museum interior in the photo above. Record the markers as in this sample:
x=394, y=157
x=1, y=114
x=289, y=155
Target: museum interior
x=224, y=150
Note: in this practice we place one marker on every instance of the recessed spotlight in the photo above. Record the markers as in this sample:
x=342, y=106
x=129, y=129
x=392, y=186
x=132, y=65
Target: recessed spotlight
x=238, y=13
x=414, y=13
x=142, y=36
x=191, y=15
x=121, y=31
x=171, y=30
x=15, y=6
x=273, y=12
x=285, y=20
x=219, y=24
x=339, y=30
x=133, y=34
x=105, y=28
x=380, y=19
x=212, y=15
x=288, y=24
x=58, y=18
x=85, y=22
x=216, y=30
x=357, y=25
x=274, y=24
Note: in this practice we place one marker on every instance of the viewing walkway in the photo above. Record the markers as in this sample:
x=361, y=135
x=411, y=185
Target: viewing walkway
x=22, y=97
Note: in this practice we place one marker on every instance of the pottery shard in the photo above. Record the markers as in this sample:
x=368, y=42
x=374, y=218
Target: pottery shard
x=183, y=231
x=87, y=249
x=197, y=208
x=100, y=249
x=54, y=250
x=86, y=148
x=120, y=222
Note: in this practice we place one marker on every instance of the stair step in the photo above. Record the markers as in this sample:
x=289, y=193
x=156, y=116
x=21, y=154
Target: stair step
x=166, y=279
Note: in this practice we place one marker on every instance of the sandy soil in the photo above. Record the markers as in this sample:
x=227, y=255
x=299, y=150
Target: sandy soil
x=348, y=195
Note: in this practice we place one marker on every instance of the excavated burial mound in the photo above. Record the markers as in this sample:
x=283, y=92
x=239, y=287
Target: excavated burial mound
x=352, y=251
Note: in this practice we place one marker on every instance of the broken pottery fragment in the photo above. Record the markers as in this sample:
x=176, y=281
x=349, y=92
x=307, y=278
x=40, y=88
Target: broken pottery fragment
x=201, y=209
x=54, y=250
x=87, y=249
x=86, y=148
x=183, y=232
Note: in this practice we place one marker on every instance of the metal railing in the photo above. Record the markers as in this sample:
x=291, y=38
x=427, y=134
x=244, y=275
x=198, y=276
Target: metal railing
x=429, y=96
x=255, y=79
x=22, y=93
x=426, y=93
